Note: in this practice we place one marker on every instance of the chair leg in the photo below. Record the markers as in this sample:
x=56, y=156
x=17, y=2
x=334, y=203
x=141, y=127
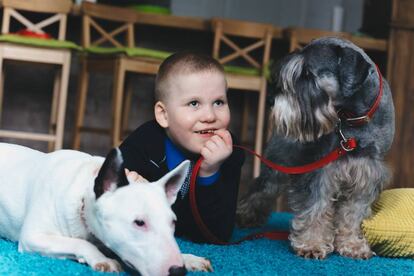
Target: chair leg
x=127, y=108
x=293, y=43
x=61, y=106
x=259, y=127
x=55, y=100
x=245, y=119
x=1, y=87
x=118, y=91
x=81, y=104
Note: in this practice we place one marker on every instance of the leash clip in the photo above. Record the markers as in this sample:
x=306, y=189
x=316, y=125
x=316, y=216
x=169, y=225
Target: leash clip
x=345, y=146
x=346, y=143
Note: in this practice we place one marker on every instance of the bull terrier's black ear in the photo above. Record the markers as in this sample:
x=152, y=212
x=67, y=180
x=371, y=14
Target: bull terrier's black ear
x=111, y=175
x=353, y=71
x=172, y=181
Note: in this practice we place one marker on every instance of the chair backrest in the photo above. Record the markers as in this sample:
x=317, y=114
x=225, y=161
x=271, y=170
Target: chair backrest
x=96, y=16
x=299, y=37
x=59, y=9
x=226, y=32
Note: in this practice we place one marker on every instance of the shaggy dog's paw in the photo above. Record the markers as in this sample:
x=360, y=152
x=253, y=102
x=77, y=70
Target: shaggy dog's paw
x=108, y=265
x=246, y=216
x=312, y=253
x=311, y=249
x=355, y=249
x=195, y=263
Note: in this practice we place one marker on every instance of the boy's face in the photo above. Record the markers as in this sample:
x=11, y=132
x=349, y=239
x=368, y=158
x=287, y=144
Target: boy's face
x=196, y=106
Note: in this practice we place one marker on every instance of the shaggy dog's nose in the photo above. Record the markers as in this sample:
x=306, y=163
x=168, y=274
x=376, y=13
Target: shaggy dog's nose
x=177, y=270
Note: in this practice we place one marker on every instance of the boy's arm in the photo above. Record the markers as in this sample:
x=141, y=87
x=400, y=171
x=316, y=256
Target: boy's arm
x=216, y=202
x=143, y=151
x=133, y=156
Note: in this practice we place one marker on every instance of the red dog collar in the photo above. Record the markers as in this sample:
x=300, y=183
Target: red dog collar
x=360, y=120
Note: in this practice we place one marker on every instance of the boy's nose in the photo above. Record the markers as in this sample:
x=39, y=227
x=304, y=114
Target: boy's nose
x=209, y=114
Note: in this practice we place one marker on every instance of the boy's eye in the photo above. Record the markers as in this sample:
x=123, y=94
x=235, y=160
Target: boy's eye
x=193, y=103
x=218, y=103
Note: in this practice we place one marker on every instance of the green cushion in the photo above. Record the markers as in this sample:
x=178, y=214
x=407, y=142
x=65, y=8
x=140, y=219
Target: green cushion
x=105, y=50
x=131, y=52
x=39, y=42
x=151, y=9
x=145, y=52
x=249, y=71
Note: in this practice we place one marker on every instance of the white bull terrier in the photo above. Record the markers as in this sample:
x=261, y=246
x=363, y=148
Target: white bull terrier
x=53, y=203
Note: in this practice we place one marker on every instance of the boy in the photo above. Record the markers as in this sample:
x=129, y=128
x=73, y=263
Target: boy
x=191, y=120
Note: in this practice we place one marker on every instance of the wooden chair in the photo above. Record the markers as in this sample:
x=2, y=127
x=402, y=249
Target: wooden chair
x=299, y=37
x=110, y=53
x=250, y=78
x=15, y=48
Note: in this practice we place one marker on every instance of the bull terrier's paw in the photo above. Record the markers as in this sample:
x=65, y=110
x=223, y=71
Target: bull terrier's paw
x=107, y=265
x=195, y=263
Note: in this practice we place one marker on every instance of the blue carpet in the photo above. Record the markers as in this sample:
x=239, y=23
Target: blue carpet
x=259, y=257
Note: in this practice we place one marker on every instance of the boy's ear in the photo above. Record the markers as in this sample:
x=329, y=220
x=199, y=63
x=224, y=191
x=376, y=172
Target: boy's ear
x=161, y=115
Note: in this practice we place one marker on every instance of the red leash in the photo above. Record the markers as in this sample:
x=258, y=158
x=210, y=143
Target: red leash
x=346, y=146
x=204, y=229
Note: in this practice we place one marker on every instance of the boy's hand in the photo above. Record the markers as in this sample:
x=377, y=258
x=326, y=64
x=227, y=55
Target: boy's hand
x=133, y=176
x=215, y=151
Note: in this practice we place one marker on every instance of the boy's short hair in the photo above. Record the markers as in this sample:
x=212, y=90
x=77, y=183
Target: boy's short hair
x=183, y=63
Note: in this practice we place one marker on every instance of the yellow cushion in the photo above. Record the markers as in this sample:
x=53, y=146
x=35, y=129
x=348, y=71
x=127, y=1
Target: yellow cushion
x=390, y=230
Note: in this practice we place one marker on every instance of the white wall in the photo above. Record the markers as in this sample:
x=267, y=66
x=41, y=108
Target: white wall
x=284, y=13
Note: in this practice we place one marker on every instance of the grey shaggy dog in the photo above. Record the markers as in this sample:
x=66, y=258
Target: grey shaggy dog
x=329, y=204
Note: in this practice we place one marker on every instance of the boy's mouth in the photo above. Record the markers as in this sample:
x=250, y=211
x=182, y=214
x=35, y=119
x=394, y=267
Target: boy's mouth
x=206, y=131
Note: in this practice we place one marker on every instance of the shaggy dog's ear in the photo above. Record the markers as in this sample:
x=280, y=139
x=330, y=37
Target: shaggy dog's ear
x=353, y=70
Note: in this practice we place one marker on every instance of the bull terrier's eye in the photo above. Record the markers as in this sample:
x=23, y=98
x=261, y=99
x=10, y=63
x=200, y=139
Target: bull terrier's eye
x=173, y=222
x=139, y=223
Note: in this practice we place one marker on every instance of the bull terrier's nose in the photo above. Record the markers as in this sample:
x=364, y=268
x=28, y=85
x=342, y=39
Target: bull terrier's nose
x=177, y=270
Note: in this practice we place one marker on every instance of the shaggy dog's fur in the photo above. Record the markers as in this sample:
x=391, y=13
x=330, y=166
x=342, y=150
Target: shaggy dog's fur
x=329, y=204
